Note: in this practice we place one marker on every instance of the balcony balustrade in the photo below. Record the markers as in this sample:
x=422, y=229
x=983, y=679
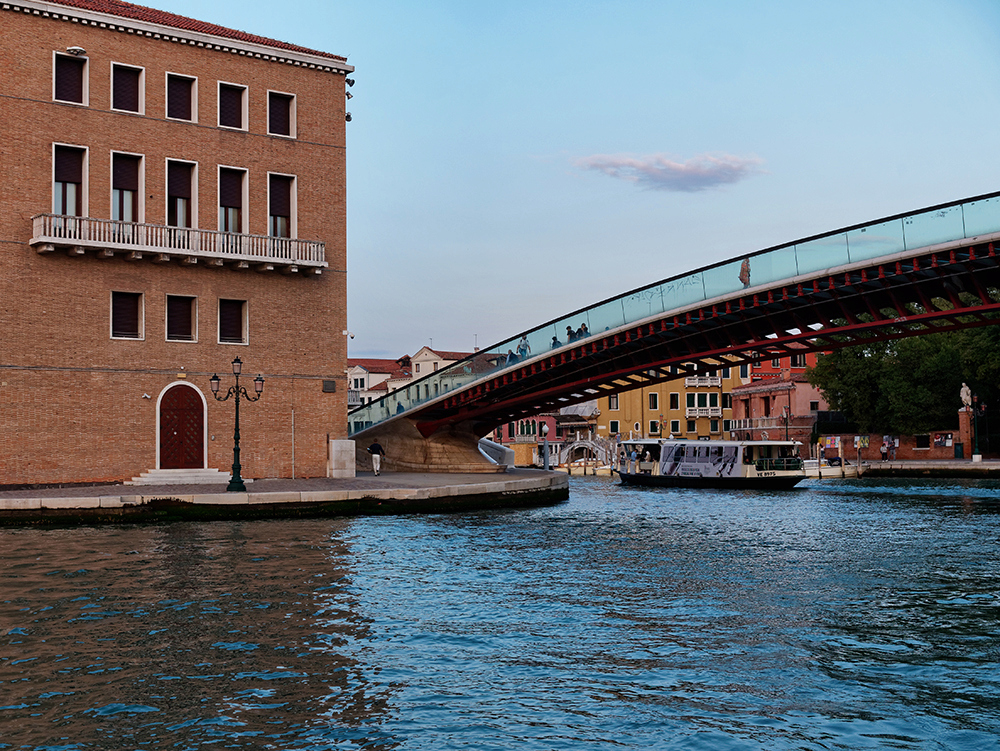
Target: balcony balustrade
x=694, y=382
x=161, y=243
x=692, y=413
x=354, y=398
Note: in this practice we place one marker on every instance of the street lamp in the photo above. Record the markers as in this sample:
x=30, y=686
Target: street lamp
x=236, y=483
x=545, y=446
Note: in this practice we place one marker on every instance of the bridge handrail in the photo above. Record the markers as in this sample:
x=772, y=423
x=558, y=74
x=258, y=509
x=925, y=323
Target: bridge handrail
x=963, y=219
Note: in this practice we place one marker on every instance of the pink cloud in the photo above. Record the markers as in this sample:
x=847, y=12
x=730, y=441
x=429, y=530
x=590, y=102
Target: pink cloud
x=660, y=172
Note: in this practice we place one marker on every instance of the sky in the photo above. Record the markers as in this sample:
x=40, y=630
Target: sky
x=513, y=160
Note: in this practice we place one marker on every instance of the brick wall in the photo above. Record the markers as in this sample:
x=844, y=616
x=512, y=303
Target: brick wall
x=72, y=400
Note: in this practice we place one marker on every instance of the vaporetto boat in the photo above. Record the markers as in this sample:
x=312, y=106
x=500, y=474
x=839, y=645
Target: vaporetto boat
x=772, y=465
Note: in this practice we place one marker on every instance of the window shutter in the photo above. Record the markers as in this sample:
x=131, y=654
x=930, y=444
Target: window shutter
x=69, y=165
x=281, y=195
x=231, y=321
x=279, y=117
x=231, y=188
x=125, y=314
x=179, y=97
x=230, y=106
x=179, y=319
x=125, y=172
x=126, y=88
x=179, y=180
x=69, y=78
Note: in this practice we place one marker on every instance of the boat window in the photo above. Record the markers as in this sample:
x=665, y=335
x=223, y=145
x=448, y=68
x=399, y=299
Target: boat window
x=748, y=455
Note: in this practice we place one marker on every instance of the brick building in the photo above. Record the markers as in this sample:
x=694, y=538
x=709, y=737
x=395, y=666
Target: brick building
x=174, y=196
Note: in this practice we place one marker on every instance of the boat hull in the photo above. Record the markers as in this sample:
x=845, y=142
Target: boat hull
x=778, y=482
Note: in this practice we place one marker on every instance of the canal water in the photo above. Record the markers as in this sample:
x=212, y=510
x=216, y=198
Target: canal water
x=842, y=615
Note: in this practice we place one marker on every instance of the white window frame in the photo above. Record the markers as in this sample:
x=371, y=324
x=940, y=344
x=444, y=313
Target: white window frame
x=244, y=117
x=654, y=400
x=142, y=88
x=142, y=316
x=613, y=403
x=194, y=97
x=613, y=426
x=84, y=188
x=194, y=318
x=675, y=427
x=86, y=78
x=293, y=220
x=292, y=114
x=140, y=193
x=194, y=189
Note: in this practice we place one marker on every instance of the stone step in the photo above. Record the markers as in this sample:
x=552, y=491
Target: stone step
x=183, y=477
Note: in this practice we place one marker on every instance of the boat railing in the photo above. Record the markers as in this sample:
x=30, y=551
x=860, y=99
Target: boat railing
x=781, y=464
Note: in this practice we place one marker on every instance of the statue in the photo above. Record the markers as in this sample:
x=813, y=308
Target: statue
x=966, y=396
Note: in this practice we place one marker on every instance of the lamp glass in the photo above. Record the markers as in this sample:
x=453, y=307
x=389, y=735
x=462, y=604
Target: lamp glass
x=258, y=383
x=214, y=382
x=237, y=366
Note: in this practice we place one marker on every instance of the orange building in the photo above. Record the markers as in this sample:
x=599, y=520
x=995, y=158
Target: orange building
x=174, y=198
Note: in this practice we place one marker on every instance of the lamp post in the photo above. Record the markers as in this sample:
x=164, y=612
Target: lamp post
x=786, y=415
x=545, y=446
x=236, y=483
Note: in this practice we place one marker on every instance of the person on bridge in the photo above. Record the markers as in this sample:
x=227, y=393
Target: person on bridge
x=570, y=334
x=523, y=348
x=377, y=453
x=556, y=344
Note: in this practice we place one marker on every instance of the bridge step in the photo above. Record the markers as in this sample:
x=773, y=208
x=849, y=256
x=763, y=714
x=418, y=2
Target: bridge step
x=182, y=477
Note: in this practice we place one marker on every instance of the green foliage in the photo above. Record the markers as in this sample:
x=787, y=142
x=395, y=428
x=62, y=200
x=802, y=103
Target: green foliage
x=910, y=385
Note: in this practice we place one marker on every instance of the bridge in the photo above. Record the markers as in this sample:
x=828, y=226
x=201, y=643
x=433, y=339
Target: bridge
x=928, y=271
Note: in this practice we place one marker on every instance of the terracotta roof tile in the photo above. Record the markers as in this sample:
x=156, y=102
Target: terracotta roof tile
x=151, y=15
x=373, y=364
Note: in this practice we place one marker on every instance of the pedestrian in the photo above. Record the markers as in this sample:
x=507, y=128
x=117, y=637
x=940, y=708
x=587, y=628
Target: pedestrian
x=885, y=451
x=511, y=357
x=556, y=344
x=523, y=348
x=377, y=453
x=632, y=460
x=570, y=334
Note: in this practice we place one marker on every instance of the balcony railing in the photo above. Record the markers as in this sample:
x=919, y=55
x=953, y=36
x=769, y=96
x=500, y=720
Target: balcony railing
x=51, y=231
x=755, y=423
x=702, y=381
x=354, y=398
x=693, y=412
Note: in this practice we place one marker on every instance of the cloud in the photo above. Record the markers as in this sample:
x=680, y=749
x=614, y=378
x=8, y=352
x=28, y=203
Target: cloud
x=660, y=172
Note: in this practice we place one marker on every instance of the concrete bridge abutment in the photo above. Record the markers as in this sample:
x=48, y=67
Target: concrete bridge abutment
x=452, y=448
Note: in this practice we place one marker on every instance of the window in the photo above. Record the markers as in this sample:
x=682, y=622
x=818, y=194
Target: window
x=280, y=114
x=654, y=401
x=126, y=315
x=776, y=363
x=654, y=426
x=280, y=201
x=765, y=403
x=727, y=400
x=744, y=371
x=67, y=188
x=181, y=319
x=613, y=426
x=510, y=430
x=726, y=372
x=690, y=400
x=637, y=427
x=813, y=406
x=231, y=199
x=613, y=402
x=675, y=400
x=232, y=321
x=416, y=368
x=691, y=426
x=675, y=426
x=923, y=441
x=798, y=361
x=713, y=426
x=126, y=88
x=232, y=106
x=702, y=399
x=125, y=187
x=181, y=103
x=727, y=425
x=713, y=400
x=179, y=205
x=70, y=79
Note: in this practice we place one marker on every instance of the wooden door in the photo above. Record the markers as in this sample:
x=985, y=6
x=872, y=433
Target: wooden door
x=182, y=429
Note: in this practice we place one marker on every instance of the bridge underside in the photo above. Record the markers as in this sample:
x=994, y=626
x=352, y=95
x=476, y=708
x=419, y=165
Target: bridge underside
x=943, y=288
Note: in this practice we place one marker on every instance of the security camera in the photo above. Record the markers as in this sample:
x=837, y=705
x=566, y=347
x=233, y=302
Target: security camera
x=76, y=51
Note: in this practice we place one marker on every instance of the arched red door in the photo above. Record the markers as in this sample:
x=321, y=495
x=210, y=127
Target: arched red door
x=182, y=429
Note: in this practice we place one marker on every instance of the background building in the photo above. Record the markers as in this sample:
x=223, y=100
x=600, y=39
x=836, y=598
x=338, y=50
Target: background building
x=174, y=198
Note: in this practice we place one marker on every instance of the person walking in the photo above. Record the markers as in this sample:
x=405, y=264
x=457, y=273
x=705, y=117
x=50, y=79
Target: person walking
x=377, y=453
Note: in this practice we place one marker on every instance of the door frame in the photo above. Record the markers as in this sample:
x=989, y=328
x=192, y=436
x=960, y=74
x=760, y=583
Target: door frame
x=204, y=421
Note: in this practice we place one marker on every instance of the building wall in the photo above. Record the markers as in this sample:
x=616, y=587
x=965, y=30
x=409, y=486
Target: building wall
x=78, y=406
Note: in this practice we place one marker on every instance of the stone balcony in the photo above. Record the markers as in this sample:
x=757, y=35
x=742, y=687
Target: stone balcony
x=694, y=412
x=694, y=382
x=161, y=244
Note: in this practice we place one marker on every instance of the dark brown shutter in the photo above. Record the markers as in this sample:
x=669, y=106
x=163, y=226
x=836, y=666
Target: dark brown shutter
x=69, y=165
x=231, y=188
x=125, y=314
x=125, y=172
x=230, y=320
x=69, y=78
x=179, y=319
x=230, y=106
x=279, y=114
x=126, y=88
x=178, y=180
x=179, y=97
x=281, y=195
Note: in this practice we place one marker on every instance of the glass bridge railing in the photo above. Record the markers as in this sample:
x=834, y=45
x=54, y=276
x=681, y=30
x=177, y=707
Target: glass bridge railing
x=884, y=237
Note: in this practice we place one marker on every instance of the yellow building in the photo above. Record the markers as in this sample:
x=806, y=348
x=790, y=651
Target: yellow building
x=696, y=406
